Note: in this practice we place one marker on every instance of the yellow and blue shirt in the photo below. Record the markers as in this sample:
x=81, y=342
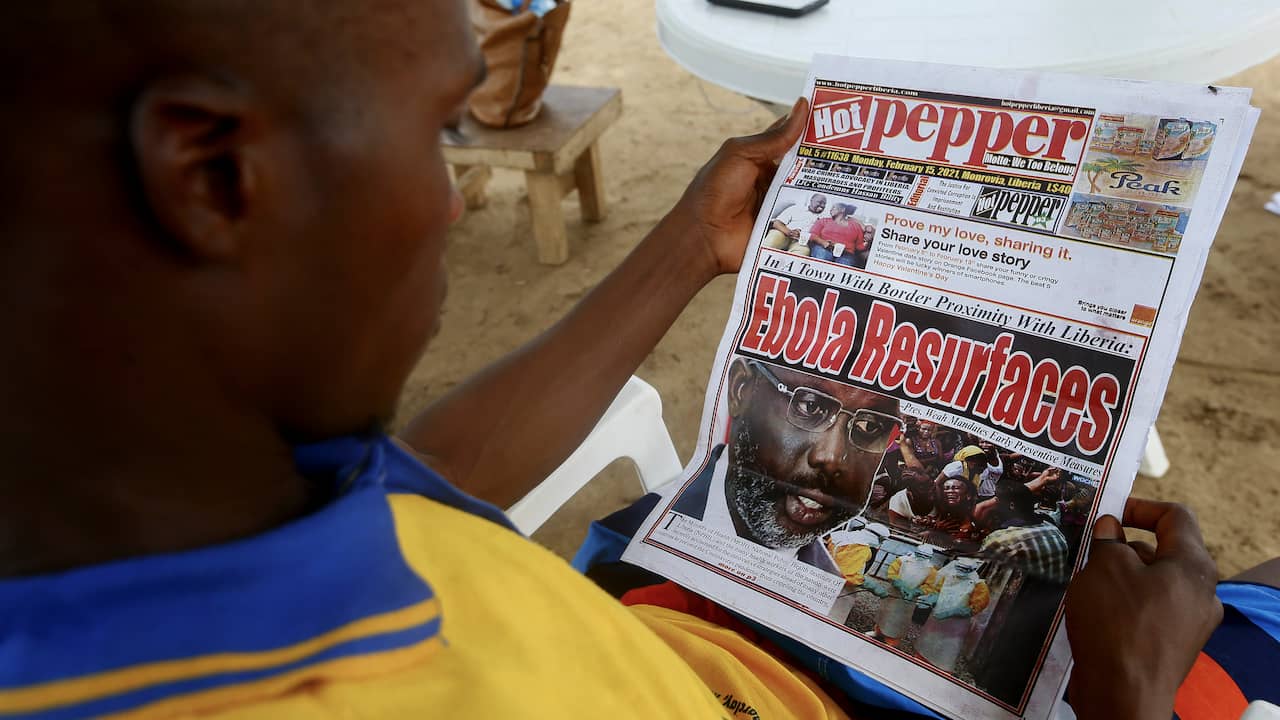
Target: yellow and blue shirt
x=403, y=597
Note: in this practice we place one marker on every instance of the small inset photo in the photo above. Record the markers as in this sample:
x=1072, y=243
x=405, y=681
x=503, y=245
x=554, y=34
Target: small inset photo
x=821, y=226
x=1127, y=223
x=1144, y=315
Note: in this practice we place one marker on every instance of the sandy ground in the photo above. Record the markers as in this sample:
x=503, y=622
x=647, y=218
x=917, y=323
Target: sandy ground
x=1221, y=417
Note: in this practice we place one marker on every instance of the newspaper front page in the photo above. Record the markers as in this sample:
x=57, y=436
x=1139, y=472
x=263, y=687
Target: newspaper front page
x=952, y=331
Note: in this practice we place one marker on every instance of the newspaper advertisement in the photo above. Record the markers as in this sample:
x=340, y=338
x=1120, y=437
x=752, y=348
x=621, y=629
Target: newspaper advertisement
x=952, y=330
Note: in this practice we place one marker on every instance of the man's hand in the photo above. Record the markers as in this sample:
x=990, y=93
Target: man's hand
x=719, y=207
x=1137, y=615
x=540, y=401
x=1041, y=481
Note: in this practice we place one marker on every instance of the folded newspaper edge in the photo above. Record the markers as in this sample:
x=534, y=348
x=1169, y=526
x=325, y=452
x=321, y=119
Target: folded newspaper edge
x=1001, y=259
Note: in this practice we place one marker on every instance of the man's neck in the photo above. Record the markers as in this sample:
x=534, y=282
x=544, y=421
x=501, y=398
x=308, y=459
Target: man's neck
x=95, y=472
x=64, y=513
x=125, y=428
x=1022, y=521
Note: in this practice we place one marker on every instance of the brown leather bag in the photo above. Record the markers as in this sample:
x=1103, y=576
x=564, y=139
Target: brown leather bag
x=519, y=52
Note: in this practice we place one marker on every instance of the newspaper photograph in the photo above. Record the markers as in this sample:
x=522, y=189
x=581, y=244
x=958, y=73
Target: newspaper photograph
x=951, y=334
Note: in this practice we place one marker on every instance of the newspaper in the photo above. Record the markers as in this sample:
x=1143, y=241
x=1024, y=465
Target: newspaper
x=952, y=331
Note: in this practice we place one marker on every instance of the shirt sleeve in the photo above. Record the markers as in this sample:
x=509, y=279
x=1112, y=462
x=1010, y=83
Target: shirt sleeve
x=805, y=221
x=859, y=237
x=746, y=680
x=895, y=568
x=901, y=505
x=819, y=226
x=852, y=560
x=932, y=584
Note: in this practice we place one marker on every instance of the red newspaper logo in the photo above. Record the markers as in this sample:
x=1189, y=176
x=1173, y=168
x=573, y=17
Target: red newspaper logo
x=944, y=132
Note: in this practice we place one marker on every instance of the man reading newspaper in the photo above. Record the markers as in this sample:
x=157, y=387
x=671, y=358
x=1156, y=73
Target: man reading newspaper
x=222, y=255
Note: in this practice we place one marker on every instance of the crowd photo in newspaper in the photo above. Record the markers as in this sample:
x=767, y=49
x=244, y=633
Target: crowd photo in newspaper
x=949, y=338
x=997, y=530
x=952, y=550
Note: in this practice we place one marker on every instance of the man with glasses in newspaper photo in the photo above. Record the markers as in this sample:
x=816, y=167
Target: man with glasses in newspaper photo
x=800, y=459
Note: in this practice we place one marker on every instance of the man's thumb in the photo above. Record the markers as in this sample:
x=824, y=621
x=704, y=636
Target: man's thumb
x=1108, y=529
x=773, y=143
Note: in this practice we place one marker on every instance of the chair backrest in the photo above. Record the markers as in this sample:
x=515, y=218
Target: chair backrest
x=631, y=428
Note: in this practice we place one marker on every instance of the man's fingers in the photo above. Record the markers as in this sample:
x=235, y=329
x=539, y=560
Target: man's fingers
x=780, y=120
x=1176, y=529
x=1147, y=514
x=764, y=179
x=774, y=142
x=1109, y=543
x=1146, y=551
x=1108, y=529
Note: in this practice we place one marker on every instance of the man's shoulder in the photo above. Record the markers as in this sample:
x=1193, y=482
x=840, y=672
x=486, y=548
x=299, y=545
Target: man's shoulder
x=955, y=468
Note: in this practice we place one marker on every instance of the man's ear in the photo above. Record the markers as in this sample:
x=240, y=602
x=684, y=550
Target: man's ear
x=741, y=387
x=188, y=135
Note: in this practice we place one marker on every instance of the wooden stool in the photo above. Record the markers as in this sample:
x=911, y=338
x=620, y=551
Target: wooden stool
x=557, y=152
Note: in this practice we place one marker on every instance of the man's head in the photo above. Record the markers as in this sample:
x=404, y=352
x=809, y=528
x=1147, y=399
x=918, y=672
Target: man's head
x=955, y=492
x=973, y=457
x=1015, y=506
x=817, y=203
x=802, y=452
x=247, y=197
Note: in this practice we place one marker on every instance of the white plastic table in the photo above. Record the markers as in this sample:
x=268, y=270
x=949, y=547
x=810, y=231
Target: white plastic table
x=767, y=57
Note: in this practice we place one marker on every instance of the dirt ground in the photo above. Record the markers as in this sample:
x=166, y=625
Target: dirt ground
x=1220, y=420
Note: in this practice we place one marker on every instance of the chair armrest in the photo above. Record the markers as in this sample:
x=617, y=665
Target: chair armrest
x=632, y=427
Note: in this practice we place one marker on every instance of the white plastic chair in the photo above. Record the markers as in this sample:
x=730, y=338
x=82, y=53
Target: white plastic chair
x=631, y=428
x=1273, y=205
x=1261, y=710
x=1154, y=462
